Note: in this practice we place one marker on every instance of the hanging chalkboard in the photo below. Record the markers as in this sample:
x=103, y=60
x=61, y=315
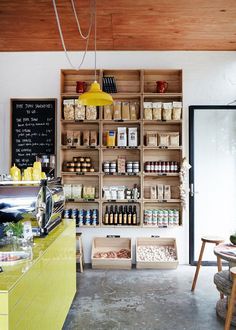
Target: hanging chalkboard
x=33, y=123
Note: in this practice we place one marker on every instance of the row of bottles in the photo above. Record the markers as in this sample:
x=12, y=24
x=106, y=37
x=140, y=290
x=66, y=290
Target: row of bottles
x=124, y=215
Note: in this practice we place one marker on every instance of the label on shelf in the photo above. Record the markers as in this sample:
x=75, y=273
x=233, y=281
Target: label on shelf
x=79, y=173
x=114, y=236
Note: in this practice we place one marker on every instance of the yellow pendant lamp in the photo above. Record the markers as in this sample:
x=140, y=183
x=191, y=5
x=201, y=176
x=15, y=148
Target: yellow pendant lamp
x=95, y=96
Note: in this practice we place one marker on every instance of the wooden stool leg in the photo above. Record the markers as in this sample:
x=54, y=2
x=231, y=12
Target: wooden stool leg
x=198, y=266
x=81, y=264
x=230, y=307
x=219, y=266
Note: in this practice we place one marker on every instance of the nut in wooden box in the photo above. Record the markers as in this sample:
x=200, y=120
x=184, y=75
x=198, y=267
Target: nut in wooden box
x=156, y=252
x=111, y=253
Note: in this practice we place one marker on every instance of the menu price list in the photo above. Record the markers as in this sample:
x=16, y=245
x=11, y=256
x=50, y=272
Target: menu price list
x=33, y=130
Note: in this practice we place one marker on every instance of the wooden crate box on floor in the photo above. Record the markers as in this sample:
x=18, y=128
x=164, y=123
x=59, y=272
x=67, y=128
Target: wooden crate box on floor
x=148, y=243
x=157, y=154
x=111, y=244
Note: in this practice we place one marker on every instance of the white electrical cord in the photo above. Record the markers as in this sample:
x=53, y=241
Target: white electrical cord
x=63, y=41
x=77, y=20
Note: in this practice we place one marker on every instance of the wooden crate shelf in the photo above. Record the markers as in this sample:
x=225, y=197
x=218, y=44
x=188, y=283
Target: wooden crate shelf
x=133, y=86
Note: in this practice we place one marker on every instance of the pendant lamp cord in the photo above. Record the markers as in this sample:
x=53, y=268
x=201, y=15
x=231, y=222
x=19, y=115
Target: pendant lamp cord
x=95, y=40
x=78, y=25
x=77, y=19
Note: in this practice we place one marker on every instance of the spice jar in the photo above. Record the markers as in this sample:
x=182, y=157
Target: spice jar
x=152, y=168
x=88, y=159
x=147, y=167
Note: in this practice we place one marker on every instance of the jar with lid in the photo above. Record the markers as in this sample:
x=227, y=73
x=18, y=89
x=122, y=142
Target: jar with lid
x=136, y=167
x=167, y=167
x=155, y=167
x=152, y=167
x=147, y=167
x=129, y=167
x=163, y=167
x=112, y=167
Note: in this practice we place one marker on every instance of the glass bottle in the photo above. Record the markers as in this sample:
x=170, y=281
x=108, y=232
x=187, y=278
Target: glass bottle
x=106, y=216
x=129, y=216
x=115, y=216
x=134, y=216
x=111, y=217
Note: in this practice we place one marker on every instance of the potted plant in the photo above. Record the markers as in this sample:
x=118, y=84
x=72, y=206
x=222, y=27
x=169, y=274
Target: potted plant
x=232, y=238
x=14, y=230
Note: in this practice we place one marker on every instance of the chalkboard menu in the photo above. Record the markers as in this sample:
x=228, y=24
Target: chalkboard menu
x=33, y=129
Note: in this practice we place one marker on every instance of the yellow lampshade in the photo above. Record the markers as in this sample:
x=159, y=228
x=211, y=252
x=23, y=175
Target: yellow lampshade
x=95, y=96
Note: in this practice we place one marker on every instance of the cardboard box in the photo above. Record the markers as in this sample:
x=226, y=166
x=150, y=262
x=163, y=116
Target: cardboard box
x=132, y=136
x=156, y=241
x=106, y=244
x=121, y=136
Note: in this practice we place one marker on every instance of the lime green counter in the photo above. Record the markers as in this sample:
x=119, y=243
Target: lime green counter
x=37, y=294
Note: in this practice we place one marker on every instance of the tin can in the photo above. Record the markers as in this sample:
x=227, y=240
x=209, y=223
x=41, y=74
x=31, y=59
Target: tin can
x=154, y=217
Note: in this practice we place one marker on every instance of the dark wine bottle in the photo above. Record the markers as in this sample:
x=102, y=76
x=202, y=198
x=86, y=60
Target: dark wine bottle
x=129, y=216
x=125, y=216
x=111, y=217
x=120, y=215
x=134, y=216
x=106, y=216
x=115, y=217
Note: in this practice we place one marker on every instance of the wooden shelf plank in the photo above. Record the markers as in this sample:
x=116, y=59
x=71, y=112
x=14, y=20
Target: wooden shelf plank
x=79, y=148
x=162, y=148
x=162, y=201
x=161, y=122
x=80, y=173
x=161, y=174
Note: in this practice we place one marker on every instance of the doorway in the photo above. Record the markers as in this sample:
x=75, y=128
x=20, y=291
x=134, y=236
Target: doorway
x=212, y=177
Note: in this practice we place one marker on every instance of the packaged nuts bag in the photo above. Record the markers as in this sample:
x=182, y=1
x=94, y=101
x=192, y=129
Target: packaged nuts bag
x=117, y=110
x=174, y=139
x=134, y=110
x=167, y=111
x=69, y=109
x=151, y=139
x=91, y=112
x=157, y=110
x=79, y=111
x=76, y=138
x=177, y=109
x=125, y=111
x=108, y=112
x=147, y=110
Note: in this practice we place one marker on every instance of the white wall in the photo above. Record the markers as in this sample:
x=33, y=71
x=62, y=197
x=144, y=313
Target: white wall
x=208, y=78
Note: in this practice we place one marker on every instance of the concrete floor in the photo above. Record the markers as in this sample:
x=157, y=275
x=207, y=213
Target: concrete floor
x=144, y=300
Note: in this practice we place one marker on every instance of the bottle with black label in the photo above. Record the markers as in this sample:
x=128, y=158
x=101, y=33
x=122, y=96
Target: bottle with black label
x=125, y=216
x=134, y=216
x=111, y=217
x=106, y=216
x=129, y=216
x=120, y=215
x=115, y=217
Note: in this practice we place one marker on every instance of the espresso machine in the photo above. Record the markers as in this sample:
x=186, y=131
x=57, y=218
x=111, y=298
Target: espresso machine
x=41, y=203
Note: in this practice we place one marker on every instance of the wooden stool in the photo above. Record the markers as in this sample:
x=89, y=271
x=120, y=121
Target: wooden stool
x=232, y=298
x=79, y=252
x=207, y=239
